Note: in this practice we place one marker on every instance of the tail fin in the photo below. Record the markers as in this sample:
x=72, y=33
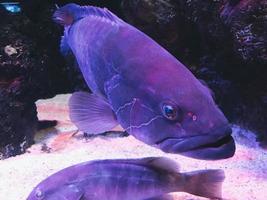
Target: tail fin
x=205, y=183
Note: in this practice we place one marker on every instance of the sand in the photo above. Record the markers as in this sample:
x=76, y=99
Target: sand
x=62, y=146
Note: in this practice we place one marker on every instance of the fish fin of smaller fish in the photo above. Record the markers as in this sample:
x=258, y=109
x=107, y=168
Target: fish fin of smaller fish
x=91, y=113
x=163, y=164
x=69, y=192
x=72, y=12
x=205, y=183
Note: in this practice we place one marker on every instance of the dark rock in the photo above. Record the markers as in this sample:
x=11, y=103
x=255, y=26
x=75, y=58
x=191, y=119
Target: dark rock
x=247, y=22
x=17, y=123
x=44, y=124
x=236, y=26
x=31, y=68
x=159, y=19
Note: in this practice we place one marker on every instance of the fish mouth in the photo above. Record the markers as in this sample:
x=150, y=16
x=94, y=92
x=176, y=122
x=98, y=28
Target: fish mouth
x=204, y=147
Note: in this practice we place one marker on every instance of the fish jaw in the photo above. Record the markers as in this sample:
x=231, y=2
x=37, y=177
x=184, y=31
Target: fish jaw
x=226, y=150
x=204, y=147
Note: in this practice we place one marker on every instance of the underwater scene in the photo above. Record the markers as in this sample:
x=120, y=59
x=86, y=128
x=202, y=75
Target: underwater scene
x=133, y=100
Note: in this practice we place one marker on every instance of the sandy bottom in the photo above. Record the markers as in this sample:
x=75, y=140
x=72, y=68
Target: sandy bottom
x=57, y=148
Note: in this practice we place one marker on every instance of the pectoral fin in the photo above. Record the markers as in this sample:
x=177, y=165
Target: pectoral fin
x=91, y=113
x=69, y=192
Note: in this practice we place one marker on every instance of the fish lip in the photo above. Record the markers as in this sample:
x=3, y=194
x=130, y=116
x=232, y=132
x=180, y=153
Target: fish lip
x=206, y=147
x=224, y=151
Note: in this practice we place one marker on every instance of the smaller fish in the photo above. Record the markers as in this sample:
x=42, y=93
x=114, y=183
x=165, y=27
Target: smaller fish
x=130, y=179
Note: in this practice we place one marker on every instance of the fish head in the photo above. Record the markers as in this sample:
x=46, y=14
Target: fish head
x=54, y=188
x=197, y=127
x=67, y=192
x=175, y=112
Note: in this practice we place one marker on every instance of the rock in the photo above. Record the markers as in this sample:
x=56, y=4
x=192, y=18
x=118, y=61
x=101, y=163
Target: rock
x=17, y=120
x=159, y=19
x=9, y=50
x=214, y=25
x=247, y=22
x=30, y=69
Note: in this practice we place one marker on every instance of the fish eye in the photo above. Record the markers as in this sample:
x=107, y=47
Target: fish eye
x=39, y=194
x=170, y=111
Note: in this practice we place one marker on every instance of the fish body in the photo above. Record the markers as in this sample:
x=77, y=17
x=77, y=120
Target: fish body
x=129, y=179
x=137, y=84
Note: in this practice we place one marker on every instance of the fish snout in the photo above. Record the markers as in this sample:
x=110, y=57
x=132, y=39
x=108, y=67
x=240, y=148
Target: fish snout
x=228, y=130
x=222, y=131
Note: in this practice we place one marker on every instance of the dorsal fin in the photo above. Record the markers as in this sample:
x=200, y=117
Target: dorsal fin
x=72, y=12
x=158, y=163
x=162, y=164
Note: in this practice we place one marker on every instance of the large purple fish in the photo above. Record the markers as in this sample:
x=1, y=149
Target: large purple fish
x=136, y=83
x=130, y=179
